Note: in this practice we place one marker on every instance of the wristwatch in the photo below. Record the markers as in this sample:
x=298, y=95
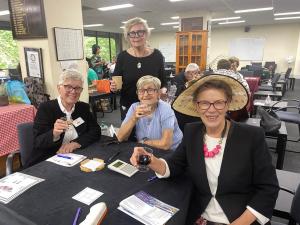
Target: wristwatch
x=144, y=139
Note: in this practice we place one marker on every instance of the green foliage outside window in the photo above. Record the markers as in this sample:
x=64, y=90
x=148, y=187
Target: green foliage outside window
x=9, y=56
x=104, y=44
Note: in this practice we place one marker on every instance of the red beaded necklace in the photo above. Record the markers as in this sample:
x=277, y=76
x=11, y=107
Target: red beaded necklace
x=215, y=151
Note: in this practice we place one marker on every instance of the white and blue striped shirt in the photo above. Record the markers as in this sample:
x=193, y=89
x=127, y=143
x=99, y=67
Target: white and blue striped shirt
x=151, y=127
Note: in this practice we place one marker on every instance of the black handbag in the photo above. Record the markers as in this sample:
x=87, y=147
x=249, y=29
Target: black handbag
x=269, y=120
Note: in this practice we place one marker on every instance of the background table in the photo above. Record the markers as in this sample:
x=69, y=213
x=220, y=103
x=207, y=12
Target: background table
x=50, y=202
x=10, y=117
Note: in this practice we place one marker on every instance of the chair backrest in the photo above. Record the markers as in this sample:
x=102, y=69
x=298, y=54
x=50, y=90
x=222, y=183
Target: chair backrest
x=288, y=73
x=25, y=137
x=295, y=208
x=275, y=80
x=257, y=64
x=247, y=73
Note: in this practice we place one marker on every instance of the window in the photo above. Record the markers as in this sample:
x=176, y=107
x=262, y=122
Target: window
x=9, y=56
x=104, y=44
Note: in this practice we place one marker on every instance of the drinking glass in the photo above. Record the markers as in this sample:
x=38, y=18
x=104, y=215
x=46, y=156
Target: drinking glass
x=144, y=159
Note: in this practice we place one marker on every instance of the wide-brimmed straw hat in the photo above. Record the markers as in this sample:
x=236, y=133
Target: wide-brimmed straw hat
x=184, y=102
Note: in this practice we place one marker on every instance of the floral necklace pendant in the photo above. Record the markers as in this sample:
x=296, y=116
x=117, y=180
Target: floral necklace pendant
x=139, y=65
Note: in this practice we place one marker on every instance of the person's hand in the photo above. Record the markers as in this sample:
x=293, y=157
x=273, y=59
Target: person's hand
x=163, y=94
x=68, y=148
x=59, y=127
x=135, y=155
x=113, y=86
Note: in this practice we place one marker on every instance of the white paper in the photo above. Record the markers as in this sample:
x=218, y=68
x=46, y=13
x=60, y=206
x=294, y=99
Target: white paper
x=87, y=195
x=147, y=209
x=74, y=159
x=15, y=184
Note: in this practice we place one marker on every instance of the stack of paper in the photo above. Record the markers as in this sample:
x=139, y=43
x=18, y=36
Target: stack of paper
x=68, y=160
x=147, y=209
x=15, y=184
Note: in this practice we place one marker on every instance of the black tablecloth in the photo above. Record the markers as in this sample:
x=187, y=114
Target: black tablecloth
x=50, y=202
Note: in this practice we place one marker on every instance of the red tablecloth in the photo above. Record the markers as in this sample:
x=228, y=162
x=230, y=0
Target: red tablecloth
x=10, y=117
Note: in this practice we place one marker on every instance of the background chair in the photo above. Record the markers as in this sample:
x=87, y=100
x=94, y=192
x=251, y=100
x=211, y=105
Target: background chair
x=294, y=215
x=25, y=137
x=290, y=116
x=274, y=82
x=253, y=83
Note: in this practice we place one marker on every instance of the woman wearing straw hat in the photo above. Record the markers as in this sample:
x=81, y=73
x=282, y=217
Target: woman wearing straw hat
x=229, y=162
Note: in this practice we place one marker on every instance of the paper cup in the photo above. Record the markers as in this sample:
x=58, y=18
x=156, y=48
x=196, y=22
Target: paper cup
x=118, y=81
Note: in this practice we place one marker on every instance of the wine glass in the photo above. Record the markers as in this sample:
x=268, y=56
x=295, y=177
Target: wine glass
x=144, y=159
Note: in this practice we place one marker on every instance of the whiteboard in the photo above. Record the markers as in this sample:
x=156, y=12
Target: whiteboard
x=69, y=43
x=168, y=49
x=251, y=49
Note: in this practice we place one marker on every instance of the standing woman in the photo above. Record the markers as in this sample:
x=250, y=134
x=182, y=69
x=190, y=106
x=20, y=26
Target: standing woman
x=137, y=61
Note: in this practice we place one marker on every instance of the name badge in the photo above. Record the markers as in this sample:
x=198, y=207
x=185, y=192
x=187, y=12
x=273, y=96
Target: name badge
x=78, y=122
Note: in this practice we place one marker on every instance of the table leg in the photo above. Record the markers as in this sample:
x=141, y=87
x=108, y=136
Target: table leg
x=280, y=149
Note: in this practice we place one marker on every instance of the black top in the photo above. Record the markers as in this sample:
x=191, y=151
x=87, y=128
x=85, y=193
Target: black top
x=247, y=176
x=48, y=112
x=126, y=67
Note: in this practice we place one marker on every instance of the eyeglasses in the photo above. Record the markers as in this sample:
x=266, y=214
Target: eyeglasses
x=150, y=91
x=218, y=105
x=138, y=33
x=70, y=88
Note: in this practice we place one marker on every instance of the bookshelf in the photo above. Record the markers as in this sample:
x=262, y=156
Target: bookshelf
x=191, y=47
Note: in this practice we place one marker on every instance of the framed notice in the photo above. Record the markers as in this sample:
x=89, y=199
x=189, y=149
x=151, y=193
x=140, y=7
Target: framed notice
x=27, y=19
x=34, y=62
x=69, y=43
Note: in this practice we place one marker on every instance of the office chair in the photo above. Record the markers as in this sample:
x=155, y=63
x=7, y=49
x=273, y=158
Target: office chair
x=25, y=137
x=285, y=80
x=274, y=82
x=257, y=64
x=289, y=116
x=294, y=215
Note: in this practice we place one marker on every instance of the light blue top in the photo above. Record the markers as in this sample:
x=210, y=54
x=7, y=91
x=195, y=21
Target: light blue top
x=152, y=126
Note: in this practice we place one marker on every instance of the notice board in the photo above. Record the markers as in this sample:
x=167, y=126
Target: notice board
x=69, y=43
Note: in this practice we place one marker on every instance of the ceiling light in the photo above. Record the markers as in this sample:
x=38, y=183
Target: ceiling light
x=230, y=22
x=4, y=12
x=175, y=0
x=171, y=23
x=287, y=13
x=175, y=26
x=115, y=7
x=287, y=18
x=253, y=10
x=151, y=28
x=122, y=27
x=175, y=17
x=226, y=18
x=93, y=25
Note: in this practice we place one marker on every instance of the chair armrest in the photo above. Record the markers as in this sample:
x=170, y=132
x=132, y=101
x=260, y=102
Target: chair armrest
x=9, y=162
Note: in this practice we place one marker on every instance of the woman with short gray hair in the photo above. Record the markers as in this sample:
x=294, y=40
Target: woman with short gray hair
x=64, y=124
x=153, y=119
x=137, y=61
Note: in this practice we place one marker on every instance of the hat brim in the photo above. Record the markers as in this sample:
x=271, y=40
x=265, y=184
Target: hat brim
x=184, y=102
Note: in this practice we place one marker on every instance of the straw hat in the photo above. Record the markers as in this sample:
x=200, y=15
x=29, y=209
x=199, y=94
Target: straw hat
x=184, y=102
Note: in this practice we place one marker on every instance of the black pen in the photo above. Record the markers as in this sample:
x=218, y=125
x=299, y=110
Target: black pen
x=113, y=156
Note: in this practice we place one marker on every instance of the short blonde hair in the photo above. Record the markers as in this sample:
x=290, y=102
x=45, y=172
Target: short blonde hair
x=72, y=74
x=148, y=79
x=233, y=60
x=134, y=21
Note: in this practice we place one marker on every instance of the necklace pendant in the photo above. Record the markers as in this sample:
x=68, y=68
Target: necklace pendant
x=139, y=65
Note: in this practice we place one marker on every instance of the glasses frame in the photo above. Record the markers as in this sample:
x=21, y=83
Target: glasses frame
x=70, y=88
x=150, y=91
x=211, y=104
x=138, y=33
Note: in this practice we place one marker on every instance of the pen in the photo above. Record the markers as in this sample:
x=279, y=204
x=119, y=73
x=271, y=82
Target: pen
x=64, y=156
x=113, y=156
x=76, y=216
x=152, y=178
